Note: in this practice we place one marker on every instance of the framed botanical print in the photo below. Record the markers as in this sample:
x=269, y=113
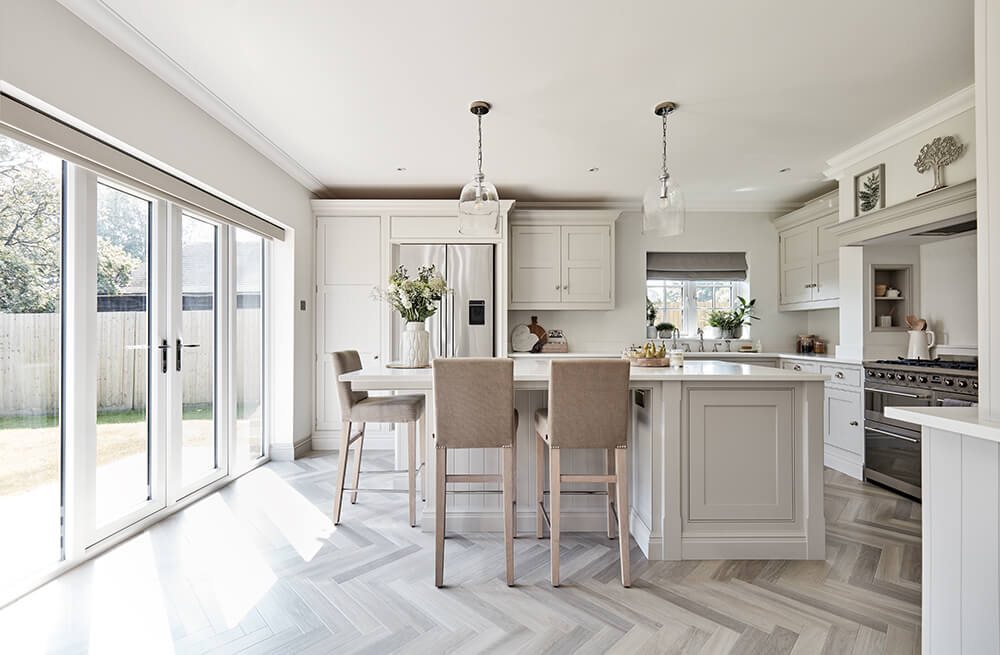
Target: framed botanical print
x=869, y=190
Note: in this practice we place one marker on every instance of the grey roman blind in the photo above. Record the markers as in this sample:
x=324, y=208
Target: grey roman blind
x=696, y=266
x=39, y=129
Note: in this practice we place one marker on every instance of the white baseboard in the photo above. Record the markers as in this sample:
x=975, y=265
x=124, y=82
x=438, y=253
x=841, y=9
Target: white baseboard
x=330, y=440
x=285, y=452
x=844, y=461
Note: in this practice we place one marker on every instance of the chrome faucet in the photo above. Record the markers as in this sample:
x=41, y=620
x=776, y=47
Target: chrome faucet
x=701, y=340
x=675, y=335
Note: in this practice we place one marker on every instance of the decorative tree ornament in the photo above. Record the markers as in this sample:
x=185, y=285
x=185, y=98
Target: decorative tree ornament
x=937, y=154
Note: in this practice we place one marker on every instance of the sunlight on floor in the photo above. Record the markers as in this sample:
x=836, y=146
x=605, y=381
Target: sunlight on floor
x=298, y=520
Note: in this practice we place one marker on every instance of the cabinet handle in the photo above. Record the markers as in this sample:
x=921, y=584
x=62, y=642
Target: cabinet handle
x=796, y=368
x=839, y=375
x=558, y=287
x=854, y=423
x=566, y=288
x=375, y=357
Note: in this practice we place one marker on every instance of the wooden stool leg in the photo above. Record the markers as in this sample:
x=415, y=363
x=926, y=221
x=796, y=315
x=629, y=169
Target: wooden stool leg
x=539, y=484
x=338, y=492
x=411, y=468
x=513, y=492
x=423, y=459
x=441, y=461
x=621, y=475
x=609, y=461
x=508, y=510
x=357, y=464
x=554, y=487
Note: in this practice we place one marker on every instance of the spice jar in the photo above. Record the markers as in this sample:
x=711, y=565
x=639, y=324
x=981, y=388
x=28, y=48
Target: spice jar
x=805, y=343
x=819, y=347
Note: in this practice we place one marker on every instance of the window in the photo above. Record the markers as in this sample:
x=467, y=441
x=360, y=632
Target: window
x=687, y=303
x=686, y=287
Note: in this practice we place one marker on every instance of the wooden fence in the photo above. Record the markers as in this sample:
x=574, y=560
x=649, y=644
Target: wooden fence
x=29, y=360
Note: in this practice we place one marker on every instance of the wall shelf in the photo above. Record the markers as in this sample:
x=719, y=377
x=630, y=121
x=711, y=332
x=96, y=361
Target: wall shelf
x=893, y=276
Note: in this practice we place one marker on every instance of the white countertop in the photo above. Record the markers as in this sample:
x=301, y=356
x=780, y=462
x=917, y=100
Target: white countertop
x=962, y=420
x=825, y=358
x=530, y=372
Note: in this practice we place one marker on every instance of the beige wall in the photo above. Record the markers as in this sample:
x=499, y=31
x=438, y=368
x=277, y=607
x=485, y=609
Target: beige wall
x=610, y=331
x=49, y=53
x=948, y=289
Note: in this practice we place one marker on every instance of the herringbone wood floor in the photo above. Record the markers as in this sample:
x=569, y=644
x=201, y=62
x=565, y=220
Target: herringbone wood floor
x=257, y=568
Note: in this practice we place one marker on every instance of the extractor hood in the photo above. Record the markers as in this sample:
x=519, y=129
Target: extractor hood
x=943, y=214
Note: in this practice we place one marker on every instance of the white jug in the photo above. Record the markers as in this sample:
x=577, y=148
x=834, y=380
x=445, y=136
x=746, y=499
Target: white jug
x=921, y=341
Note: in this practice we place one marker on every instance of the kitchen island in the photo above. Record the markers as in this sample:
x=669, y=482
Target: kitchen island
x=726, y=460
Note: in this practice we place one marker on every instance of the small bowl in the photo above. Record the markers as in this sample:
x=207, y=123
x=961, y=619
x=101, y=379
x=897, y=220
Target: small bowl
x=880, y=290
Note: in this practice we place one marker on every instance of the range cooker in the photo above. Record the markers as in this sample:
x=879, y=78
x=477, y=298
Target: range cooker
x=892, y=447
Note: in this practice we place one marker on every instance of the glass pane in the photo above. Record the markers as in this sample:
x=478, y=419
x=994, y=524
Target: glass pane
x=123, y=223
x=674, y=296
x=703, y=295
x=703, y=317
x=30, y=359
x=249, y=338
x=655, y=294
x=198, y=321
x=674, y=316
x=723, y=297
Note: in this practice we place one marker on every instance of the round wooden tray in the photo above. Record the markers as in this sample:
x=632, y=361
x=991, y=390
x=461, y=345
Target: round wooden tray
x=642, y=361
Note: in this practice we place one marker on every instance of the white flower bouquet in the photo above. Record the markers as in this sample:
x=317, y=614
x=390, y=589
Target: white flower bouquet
x=416, y=300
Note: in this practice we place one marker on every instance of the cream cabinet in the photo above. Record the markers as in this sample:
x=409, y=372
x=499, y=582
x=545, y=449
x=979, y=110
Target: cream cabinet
x=808, y=256
x=843, y=420
x=561, y=259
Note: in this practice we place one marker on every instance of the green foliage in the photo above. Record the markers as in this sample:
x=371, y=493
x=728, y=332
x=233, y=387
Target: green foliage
x=869, y=193
x=415, y=300
x=650, y=311
x=665, y=327
x=31, y=236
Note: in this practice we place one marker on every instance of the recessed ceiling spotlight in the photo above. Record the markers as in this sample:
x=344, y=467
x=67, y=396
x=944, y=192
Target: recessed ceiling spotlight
x=744, y=189
x=593, y=169
x=784, y=170
x=401, y=169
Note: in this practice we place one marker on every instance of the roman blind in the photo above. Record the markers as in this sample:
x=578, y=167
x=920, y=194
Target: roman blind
x=696, y=266
x=46, y=132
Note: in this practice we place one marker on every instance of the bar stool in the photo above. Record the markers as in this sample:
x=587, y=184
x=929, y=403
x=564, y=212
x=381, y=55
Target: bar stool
x=588, y=408
x=357, y=407
x=474, y=408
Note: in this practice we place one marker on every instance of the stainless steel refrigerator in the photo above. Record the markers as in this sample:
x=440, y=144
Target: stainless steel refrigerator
x=464, y=326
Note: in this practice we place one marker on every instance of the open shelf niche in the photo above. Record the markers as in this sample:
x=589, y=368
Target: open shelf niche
x=893, y=276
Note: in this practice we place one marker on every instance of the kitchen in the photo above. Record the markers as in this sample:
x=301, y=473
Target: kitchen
x=536, y=327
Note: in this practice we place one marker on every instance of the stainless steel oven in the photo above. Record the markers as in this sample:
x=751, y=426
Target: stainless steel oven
x=892, y=447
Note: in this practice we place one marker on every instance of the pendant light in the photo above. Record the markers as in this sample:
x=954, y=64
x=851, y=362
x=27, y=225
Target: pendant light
x=479, y=203
x=663, y=203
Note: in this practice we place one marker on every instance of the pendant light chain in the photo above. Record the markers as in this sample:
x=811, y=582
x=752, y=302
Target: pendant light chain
x=479, y=122
x=664, y=117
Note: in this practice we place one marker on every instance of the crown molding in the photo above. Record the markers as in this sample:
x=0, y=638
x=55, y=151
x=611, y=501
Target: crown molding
x=824, y=205
x=925, y=119
x=113, y=26
x=376, y=207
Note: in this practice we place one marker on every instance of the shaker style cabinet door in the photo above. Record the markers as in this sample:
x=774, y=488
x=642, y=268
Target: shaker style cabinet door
x=535, y=268
x=796, y=254
x=586, y=260
x=826, y=271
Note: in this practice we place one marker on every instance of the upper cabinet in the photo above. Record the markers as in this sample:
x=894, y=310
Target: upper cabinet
x=808, y=257
x=562, y=259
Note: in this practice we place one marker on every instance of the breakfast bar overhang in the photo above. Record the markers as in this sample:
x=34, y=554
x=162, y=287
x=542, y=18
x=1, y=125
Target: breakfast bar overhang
x=726, y=460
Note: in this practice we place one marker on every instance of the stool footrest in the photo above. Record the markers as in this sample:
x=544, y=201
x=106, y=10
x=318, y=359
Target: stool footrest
x=577, y=492
x=377, y=490
x=390, y=471
x=545, y=514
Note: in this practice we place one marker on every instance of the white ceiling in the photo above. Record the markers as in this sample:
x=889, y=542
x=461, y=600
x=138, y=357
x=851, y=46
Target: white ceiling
x=353, y=90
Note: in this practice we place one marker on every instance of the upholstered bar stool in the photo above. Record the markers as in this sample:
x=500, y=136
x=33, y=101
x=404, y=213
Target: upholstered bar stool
x=358, y=408
x=474, y=408
x=588, y=408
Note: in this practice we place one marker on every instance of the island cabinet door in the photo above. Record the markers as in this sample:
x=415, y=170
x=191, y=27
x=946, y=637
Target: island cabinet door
x=741, y=454
x=586, y=263
x=535, y=264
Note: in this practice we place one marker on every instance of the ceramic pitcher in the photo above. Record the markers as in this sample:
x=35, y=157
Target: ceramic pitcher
x=921, y=341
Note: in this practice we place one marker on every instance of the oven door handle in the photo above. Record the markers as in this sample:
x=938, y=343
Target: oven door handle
x=897, y=393
x=893, y=434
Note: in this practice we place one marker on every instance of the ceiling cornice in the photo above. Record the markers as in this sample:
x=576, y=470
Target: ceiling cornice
x=113, y=26
x=925, y=119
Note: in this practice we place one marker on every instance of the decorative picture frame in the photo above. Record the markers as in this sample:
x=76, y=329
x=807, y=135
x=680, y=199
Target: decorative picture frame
x=869, y=190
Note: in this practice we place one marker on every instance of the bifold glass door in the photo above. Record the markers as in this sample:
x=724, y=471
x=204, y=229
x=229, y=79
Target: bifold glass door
x=132, y=358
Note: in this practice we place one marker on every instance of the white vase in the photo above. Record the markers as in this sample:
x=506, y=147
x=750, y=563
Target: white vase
x=414, y=345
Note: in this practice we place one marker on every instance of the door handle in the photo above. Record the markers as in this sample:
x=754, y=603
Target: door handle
x=893, y=434
x=180, y=348
x=896, y=393
x=164, y=347
x=854, y=423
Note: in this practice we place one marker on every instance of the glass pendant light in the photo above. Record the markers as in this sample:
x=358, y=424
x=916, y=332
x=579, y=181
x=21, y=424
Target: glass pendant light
x=663, y=203
x=479, y=203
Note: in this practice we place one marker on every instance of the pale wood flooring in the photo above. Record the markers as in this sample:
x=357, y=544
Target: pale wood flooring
x=259, y=568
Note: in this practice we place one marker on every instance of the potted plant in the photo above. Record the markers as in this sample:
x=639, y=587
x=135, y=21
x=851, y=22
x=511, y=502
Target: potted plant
x=650, y=319
x=717, y=320
x=416, y=301
x=741, y=316
x=664, y=330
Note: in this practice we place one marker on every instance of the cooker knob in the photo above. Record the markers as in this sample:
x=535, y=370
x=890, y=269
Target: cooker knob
x=899, y=376
x=975, y=385
x=922, y=379
x=878, y=375
x=871, y=373
x=910, y=378
x=948, y=382
x=962, y=384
